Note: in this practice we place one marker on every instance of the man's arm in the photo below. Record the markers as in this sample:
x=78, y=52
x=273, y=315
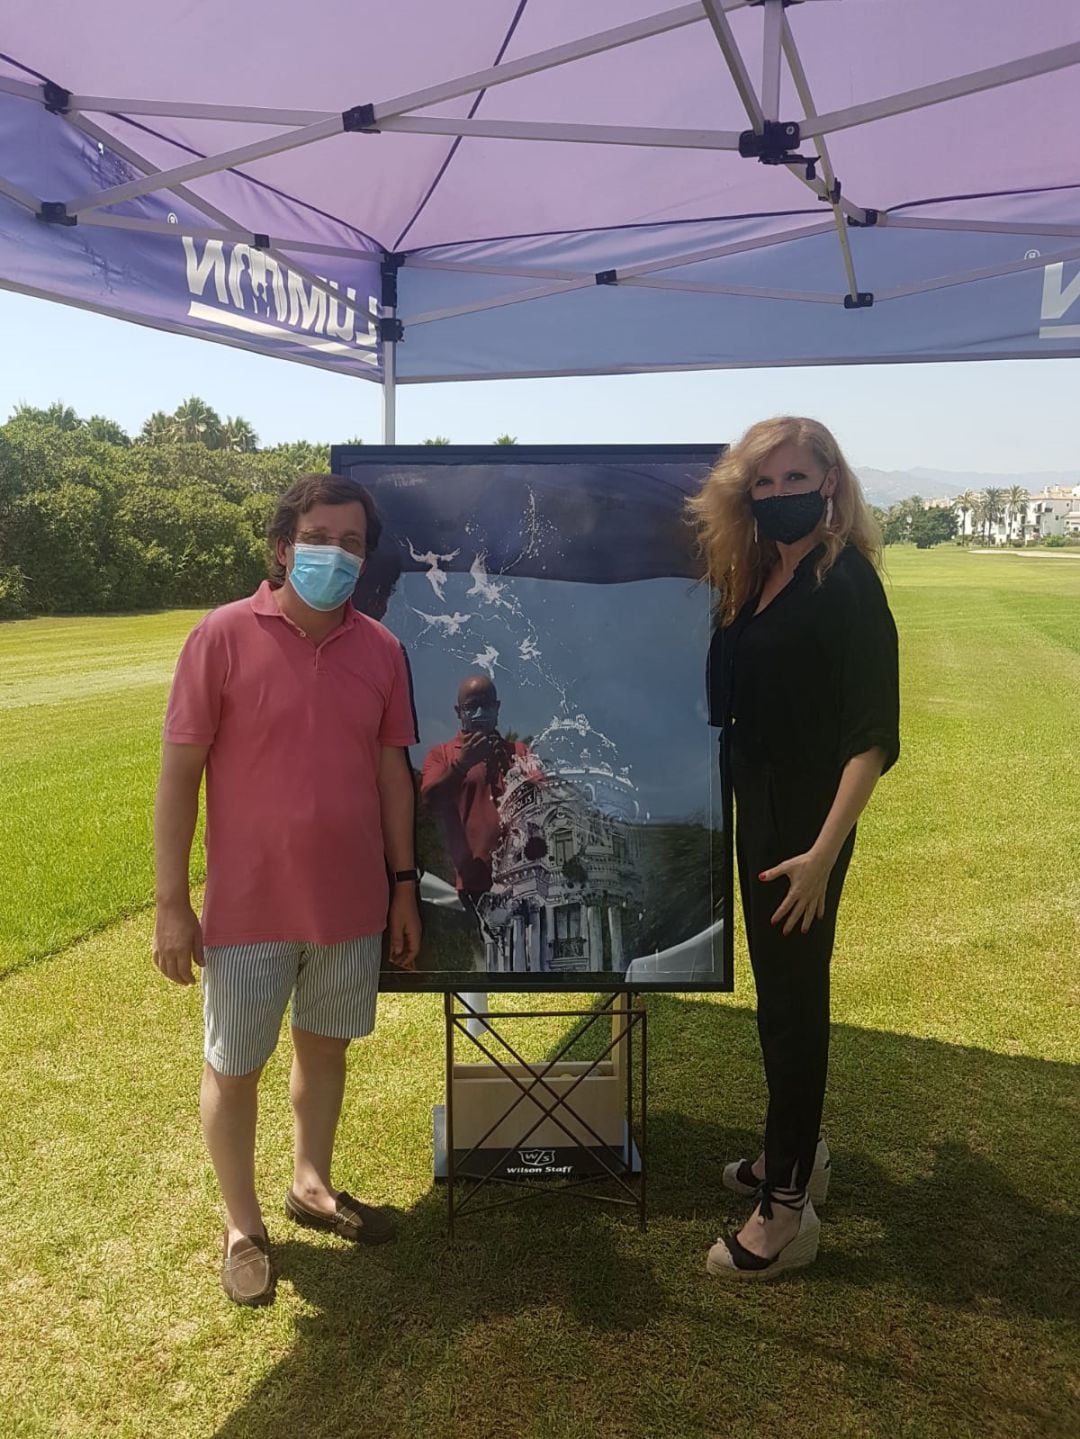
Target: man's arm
x=177, y=933
x=397, y=799
x=441, y=779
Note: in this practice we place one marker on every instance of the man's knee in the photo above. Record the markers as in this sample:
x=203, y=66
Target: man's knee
x=306, y=1041
x=231, y=1083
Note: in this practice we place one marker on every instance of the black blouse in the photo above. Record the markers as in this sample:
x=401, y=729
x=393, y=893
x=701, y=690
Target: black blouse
x=813, y=679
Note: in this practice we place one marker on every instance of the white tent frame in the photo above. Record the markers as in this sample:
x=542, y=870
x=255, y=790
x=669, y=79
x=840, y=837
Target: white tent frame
x=297, y=128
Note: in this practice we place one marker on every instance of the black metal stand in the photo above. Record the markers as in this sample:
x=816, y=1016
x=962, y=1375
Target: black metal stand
x=478, y=1168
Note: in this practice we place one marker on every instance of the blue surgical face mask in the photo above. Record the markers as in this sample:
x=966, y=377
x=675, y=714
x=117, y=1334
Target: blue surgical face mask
x=324, y=576
x=479, y=719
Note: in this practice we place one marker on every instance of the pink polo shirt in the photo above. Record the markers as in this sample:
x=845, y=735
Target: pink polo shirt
x=294, y=846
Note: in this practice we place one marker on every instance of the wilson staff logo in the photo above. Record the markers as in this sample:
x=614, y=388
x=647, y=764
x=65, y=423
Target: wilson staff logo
x=536, y=1158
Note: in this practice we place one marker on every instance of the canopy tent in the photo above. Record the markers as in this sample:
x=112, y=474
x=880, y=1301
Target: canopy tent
x=417, y=191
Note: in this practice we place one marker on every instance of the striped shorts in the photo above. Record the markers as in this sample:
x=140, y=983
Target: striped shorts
x=246, y=988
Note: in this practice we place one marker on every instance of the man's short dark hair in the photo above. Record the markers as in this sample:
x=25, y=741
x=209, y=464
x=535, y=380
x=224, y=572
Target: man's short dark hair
x=305, y=494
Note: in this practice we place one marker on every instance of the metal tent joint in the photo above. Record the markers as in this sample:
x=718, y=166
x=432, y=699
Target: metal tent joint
x=359, y=120
x=870, y=218
x=606, y=277
x=832, y=197
x=388, y=273
x=260, y=242
x=57, y=99
x=776, y=143
x=390, y=329
x=55, y=212
x=861, y=300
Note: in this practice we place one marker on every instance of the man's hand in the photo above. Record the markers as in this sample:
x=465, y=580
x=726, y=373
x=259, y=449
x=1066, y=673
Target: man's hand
x=177, y=941
x=475, y=749
x=808, y=880
x=404, y=925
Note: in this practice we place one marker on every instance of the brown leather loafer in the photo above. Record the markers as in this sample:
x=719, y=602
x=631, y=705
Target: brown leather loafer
x=351, y=1220
x=247, y=1275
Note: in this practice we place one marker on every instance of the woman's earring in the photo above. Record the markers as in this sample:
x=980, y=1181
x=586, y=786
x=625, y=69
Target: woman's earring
x=828, y=512
x=755, y=532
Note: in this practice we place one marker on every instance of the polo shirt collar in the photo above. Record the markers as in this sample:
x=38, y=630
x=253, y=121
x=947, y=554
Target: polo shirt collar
x=264, y=603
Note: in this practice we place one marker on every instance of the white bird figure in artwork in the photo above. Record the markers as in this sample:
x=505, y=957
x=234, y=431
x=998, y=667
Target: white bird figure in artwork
x=529, y=650
x=483, y=585
x=436, y=574
x=487, y=660
x=450, y=624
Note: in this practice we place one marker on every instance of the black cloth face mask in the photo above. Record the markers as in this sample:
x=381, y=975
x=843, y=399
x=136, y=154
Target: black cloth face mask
x=788, y=518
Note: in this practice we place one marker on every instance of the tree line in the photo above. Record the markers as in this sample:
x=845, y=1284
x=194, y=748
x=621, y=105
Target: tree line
x=94, y=520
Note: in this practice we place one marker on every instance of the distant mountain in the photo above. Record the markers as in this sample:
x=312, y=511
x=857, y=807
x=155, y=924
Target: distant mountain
x=886, y=487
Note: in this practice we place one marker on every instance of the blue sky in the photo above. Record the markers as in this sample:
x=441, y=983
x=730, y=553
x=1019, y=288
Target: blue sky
x=998, y=416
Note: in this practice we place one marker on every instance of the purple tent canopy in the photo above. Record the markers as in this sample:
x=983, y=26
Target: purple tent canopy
x=422, y=191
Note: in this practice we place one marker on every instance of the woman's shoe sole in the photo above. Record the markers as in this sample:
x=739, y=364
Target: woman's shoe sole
x=800, y=1252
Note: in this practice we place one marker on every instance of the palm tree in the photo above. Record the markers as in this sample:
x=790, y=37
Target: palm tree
x=980, y=516
x=157, y=429
x=963, y=506
x=1017, y=501
x=438, y=440
x=304, y=456
x=238, y=435
x=100, y=427
x=63, y=416
x=506, y=440
x=995, y=511
x=58, y=415
x=196, y=423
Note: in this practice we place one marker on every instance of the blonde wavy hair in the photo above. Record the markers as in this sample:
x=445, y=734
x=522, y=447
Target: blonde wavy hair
x=737, y=560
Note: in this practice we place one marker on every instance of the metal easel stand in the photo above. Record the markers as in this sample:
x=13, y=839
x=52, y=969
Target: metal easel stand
x=477, y=1169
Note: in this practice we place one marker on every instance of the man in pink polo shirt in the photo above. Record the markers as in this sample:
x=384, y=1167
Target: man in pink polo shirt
x=299, y=709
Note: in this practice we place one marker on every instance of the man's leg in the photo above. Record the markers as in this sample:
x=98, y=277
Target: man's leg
x=317, y=1088
x=245, y=991
x=336, y=992
x=228, y=1104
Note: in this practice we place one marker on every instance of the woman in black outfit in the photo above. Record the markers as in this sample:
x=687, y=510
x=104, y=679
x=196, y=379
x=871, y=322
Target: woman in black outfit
x=803, y=683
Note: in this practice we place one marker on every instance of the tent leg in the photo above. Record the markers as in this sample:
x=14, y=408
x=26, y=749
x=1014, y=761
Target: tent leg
x=389, y=424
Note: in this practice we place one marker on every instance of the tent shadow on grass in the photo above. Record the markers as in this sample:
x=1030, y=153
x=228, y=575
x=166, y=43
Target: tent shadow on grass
x=951, y=1185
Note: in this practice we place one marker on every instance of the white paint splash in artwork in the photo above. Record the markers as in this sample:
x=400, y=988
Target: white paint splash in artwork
x=483, y=585
x=487, y=660
x=436, y=575
x=448, y=624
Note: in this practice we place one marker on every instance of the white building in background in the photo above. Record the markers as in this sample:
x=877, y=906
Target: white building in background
x=1053, y=511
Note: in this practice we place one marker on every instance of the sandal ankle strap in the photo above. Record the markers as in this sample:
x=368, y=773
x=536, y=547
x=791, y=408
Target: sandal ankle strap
x=772, y=1194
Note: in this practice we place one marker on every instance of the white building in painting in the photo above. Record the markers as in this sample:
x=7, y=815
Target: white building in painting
x=566, y=870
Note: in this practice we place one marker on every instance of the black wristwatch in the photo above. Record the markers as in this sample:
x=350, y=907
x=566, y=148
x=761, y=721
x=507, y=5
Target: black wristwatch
x=406, y=876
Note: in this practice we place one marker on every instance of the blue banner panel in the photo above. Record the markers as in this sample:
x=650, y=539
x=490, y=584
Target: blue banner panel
x=310, y=308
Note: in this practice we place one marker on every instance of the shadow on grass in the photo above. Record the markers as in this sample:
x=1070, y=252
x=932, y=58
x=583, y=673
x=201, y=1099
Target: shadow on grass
x=951, y=1178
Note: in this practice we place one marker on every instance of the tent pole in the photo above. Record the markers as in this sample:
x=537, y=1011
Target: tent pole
x=389, y=414
x=771, y=52
x=389, y=332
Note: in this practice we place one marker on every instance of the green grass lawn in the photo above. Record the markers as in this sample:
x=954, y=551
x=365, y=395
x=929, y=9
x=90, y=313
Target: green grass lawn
x=81, y=707
x=945, y=1300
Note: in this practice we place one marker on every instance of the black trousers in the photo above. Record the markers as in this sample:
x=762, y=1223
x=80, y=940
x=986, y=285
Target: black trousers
x=779, y=817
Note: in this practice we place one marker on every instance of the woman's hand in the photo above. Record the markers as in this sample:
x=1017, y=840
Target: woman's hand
x=808, y=880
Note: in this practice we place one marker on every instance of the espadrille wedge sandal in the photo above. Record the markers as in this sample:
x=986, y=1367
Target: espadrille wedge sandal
x=728, y=1259
x=740, y=1178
